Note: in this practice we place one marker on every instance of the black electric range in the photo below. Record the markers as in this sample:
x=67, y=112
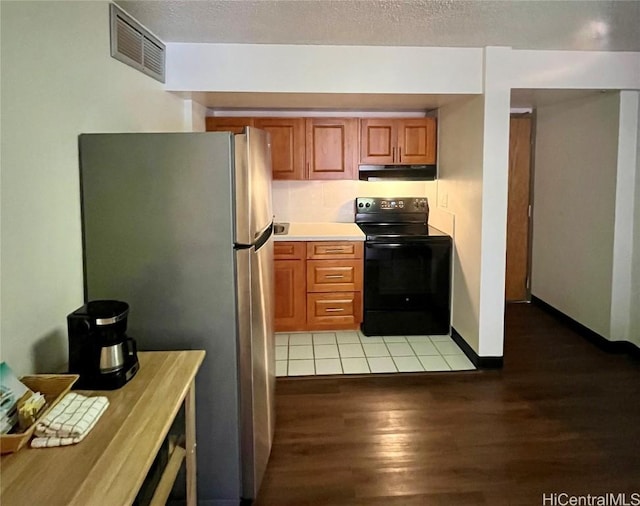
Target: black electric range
x=407, y=268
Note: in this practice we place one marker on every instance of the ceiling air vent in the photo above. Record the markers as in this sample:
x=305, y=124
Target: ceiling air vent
x=132, y=44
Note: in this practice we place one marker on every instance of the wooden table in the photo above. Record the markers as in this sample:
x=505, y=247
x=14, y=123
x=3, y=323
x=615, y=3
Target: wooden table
x=109, y=466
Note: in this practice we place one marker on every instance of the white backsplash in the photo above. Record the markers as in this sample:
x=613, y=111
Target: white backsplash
x=333, y=201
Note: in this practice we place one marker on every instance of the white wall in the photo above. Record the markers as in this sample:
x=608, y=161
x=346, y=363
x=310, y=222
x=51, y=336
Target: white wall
x=573, y=69
x=333, y=201
x=194, y=116
x=323, y=69
x=495, y=170
x=58, y=80
x=622, y=310
x=460, y=154
x=574, y=204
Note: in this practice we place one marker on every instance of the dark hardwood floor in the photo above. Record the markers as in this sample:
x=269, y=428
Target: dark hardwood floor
x=562, y=416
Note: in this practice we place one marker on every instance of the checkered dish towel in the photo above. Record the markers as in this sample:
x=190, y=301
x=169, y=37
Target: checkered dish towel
x=69, y=421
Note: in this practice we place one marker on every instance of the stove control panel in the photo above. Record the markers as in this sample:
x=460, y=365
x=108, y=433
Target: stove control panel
x=392, y=204
x=403, y=204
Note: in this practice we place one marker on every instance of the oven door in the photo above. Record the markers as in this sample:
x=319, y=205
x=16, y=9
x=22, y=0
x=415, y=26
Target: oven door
x=407, y=287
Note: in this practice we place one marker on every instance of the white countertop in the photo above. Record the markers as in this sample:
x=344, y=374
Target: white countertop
x=322, y=232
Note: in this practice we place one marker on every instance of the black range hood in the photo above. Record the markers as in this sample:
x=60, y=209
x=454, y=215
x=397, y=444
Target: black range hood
x=397, y=172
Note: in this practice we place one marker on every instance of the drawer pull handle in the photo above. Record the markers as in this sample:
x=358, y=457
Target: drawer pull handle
x=335, y=276
x=343, y=301
x=334, y=309
x=335, y=250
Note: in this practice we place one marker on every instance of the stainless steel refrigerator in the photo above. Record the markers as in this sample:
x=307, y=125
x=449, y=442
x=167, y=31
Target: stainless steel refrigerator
x=179, y=226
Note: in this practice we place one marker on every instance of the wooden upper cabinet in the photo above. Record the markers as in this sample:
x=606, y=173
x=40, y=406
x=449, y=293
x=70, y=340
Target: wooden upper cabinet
x=287, y=146
x=395, y=141
x=227, y=124
x=377, y=141
x=331, y=148
x=417, y=141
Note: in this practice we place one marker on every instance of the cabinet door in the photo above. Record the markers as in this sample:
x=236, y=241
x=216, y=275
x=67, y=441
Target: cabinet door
x=416, y=141
x=287, y=146
x=224, y=124
x=290, y=304
x=331, y=148
x=377, y=141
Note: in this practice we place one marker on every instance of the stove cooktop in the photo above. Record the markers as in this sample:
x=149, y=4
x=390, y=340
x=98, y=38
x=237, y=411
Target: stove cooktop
x=380, y=231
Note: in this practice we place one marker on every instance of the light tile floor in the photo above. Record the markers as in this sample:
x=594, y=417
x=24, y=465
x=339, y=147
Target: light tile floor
x=351, y=352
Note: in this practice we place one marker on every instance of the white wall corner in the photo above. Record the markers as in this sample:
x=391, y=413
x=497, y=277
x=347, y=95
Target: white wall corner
x=497, y=103
x=194, y=116
x=460, y=158
x=623, y=241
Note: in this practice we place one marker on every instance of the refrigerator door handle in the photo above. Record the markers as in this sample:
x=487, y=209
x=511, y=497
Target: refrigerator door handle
x=252, y=185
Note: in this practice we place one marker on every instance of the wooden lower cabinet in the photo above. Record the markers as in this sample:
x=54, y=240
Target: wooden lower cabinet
x=318, y=285
x=291, y=291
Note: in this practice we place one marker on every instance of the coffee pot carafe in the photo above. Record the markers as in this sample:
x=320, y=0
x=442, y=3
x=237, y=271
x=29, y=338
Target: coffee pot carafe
x=99, y=349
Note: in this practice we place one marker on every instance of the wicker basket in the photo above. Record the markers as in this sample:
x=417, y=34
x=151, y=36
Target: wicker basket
x=54, y=387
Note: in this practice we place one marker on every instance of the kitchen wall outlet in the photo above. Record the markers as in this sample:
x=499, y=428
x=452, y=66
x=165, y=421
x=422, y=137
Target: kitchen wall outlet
x=444, y=200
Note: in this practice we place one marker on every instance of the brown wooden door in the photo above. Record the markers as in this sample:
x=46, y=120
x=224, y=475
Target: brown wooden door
x=378, y=138
x=290, y=303
x=517, y=270
x=227, y=124
x=287, y=146
x=331, y=148
x=416, y=141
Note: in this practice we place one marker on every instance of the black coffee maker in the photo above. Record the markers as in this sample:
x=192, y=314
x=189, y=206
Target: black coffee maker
x=99, y=349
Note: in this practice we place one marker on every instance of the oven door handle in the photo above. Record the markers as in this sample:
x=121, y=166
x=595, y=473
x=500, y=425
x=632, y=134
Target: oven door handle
x=395, y=245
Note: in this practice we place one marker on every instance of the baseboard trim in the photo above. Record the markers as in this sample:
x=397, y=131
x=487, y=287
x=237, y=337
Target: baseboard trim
x=478, y=361
x=620, y=347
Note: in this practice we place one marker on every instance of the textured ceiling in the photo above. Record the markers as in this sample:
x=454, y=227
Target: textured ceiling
x=555, y=24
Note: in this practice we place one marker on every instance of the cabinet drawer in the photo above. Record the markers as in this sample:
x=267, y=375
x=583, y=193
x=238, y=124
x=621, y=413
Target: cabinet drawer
x=334, y=275
x=292, y=250
x=334, y=310
x=334, y=249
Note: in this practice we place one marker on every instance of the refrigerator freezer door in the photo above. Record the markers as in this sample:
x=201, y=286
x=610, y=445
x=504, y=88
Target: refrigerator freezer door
x=252, y=185
x=257, y=362
x=158, y=233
